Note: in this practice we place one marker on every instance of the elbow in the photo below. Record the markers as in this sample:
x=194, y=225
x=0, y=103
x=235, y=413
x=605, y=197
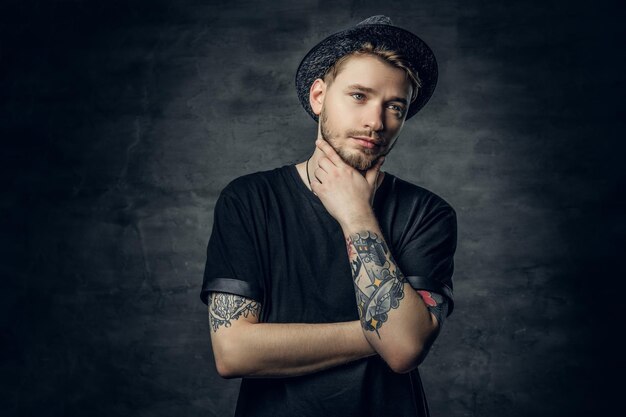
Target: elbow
x=225, y=370
x=403, y=361
x=225, y=353
x=407, y=355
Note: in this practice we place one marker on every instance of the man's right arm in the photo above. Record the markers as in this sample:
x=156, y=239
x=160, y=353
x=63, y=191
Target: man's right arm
x=243, y=347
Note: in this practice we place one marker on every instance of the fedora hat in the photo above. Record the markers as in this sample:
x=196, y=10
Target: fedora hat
x=380, y=32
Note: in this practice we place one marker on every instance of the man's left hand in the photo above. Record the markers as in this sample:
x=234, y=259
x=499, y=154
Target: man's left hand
x=345, y=192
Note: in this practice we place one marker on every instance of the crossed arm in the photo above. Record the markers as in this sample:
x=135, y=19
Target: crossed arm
x=395, y=322
x=244, y=347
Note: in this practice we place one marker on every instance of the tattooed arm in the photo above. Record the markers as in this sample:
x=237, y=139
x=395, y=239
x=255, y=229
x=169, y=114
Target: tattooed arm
x=394, y=317
x=244, y=347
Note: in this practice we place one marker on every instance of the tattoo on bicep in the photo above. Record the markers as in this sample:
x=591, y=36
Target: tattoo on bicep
x=225, y=308
x=431, y=299
x=434, y=302
x=378, y=282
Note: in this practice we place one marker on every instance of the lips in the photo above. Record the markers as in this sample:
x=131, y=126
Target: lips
x=366, y=141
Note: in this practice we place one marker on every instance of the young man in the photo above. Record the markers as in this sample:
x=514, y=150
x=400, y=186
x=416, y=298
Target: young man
x=328, y=281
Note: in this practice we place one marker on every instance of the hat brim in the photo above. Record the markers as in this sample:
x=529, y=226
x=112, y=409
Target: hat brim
x=419, y=56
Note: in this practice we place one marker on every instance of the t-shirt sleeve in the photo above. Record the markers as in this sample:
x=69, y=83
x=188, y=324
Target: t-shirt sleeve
x=437, y=304
x=427, y=260
x=233, y=262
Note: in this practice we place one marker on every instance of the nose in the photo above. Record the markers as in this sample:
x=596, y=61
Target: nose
x=373, y=118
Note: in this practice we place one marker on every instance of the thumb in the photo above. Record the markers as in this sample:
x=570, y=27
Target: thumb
x=372, y=174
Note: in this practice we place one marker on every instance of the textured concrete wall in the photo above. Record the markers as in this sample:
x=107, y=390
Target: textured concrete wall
x=121, y=122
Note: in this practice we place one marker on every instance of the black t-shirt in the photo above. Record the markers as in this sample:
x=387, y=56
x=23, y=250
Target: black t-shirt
x=273, y=241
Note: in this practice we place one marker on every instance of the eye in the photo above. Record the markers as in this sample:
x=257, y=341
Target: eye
x=398, y=109
x=358, y=96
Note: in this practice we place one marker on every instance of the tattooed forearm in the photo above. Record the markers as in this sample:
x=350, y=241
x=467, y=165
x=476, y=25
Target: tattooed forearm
x=224, y=308
x=378, y=282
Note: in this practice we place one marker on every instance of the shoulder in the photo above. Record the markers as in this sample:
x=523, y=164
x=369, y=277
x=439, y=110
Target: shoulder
x=250, y=185
x=408, y=194
x=408, y=211
x=246, y=199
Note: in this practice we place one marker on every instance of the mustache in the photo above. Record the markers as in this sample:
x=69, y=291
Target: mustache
x=378, y=138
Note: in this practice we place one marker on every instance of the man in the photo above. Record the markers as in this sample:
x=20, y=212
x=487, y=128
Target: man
x=328, y=281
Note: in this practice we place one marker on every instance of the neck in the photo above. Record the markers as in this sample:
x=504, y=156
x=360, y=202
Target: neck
x=312, y=164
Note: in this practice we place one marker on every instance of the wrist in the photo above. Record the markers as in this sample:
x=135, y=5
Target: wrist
x=359, y=223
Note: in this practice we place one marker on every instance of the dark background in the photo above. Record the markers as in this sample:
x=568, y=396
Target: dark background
x=122, y=120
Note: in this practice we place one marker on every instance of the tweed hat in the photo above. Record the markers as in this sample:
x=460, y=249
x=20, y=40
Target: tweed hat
x=379, y=31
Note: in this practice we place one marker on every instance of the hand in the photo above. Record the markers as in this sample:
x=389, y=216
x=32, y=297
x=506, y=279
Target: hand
x=345, y=192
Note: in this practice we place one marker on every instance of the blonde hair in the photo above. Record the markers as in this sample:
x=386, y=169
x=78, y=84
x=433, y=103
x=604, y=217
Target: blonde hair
x=393, y=58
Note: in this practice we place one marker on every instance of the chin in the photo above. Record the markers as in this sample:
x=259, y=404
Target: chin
x=359, y=162
x=359, y=159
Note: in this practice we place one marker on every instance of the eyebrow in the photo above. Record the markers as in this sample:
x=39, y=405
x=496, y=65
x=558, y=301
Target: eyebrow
x=369, y=90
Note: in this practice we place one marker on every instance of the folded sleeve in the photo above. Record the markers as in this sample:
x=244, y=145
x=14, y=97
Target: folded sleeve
x=427, y=259
x=234, y=262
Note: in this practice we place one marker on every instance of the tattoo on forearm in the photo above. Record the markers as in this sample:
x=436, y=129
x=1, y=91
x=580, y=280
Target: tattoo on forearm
x=225, y=308
x=378, y=283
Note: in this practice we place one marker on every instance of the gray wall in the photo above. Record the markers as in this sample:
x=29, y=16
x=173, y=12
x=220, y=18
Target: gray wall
x=121, y=122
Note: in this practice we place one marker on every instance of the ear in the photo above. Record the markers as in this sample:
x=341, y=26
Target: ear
x=316, y=95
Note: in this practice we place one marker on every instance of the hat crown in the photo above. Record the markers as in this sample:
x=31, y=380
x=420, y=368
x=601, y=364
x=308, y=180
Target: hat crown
x=376, y=20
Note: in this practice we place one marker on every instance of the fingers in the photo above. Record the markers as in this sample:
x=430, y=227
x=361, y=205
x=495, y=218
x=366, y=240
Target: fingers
x=325, y=164
x=319, y=175
x=329, y=152
x=372, y=174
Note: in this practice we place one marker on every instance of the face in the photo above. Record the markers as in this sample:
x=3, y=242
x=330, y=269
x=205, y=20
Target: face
x=362, y=110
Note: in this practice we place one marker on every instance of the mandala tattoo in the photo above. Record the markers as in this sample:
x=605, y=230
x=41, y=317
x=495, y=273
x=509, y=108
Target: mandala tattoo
x=225, y=308
x=378, y=282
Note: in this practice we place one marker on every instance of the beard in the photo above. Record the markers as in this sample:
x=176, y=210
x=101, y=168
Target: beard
x=361, y=161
